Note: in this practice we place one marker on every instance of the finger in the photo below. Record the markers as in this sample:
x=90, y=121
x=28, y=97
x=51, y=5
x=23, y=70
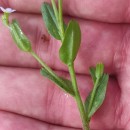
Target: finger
x=99, y=44
x=12, y=121
x=109, y=11
x=29, y=94
x=123, y=80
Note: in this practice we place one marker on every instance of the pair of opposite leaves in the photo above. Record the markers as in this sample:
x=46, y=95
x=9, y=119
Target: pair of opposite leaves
x=72, y=38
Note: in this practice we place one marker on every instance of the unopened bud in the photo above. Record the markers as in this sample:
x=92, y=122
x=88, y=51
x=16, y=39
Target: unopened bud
x=99, y=70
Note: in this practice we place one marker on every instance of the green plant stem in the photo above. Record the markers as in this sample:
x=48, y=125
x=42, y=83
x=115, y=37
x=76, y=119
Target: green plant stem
x=78, y=98
x=41, y=62
x=55, y=9
x=92, y=95
x=44, y=65
x=5, y=19
x=61, y=19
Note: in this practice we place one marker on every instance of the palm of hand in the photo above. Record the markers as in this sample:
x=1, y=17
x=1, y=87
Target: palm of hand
x=29, y=101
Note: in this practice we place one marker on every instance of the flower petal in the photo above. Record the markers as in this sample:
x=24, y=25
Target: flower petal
x=4, y=10
x=9, y=10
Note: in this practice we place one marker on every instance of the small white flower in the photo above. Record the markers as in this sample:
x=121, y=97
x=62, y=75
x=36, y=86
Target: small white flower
x=7, y=10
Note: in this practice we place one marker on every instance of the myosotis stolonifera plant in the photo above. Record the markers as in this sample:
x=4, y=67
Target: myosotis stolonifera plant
x=70, y=37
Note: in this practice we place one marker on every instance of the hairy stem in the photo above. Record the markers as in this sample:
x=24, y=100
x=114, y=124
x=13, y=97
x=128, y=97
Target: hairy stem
x=78, y=98
x=61, y=19
x=44, y=65
x=55, y=9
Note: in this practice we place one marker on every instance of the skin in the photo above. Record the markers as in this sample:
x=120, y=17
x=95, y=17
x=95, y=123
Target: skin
x=31, y=102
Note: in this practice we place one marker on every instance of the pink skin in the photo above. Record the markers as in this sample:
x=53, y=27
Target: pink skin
x=29, y=101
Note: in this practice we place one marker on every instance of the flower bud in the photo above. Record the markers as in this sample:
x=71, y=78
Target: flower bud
x=99, y=70
x=5, y=16
x=20, y=39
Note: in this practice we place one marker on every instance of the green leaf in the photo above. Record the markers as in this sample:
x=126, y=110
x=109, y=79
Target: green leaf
x=71, y=43
x=64, y=84
x=92, y=73
x=50, y=20
x=19, y=37
x=98, y=97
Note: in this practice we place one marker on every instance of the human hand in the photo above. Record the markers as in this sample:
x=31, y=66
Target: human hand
x=29, y=101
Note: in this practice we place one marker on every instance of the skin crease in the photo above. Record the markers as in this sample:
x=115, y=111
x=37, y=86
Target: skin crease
x=29, y=101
